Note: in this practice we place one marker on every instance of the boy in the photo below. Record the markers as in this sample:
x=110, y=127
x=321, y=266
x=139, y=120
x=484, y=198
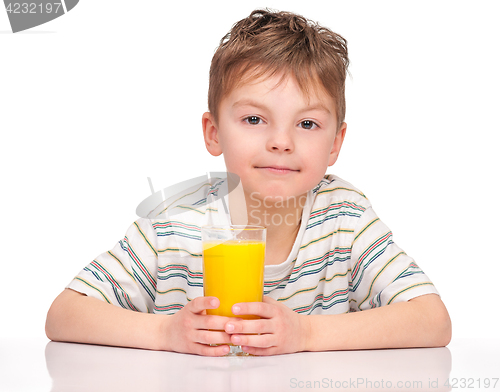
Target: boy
x=334, y=278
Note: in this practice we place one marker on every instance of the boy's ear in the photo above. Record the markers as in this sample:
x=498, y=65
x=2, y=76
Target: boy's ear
x=337, y=144
x=210, y=134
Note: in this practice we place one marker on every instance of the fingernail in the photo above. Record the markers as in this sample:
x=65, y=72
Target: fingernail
x=236, y=339
x=225, y=350
x=213, y=302
x=229, y=327
x=236, y=309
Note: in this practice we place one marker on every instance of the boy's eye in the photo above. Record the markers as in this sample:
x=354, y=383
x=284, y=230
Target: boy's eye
x=254, y=120
x=308, y=124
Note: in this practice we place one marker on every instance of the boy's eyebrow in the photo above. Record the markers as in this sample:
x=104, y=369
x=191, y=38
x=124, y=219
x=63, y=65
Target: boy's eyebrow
x=317, y=106
x=251, y=102
x=248, y=102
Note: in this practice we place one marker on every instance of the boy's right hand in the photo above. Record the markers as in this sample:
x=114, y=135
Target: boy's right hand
x=191, y=330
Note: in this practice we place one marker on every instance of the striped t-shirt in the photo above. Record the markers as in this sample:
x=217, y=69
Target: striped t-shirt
x=343, y=258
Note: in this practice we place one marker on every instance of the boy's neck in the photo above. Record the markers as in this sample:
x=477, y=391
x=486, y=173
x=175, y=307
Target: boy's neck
x=282, y=218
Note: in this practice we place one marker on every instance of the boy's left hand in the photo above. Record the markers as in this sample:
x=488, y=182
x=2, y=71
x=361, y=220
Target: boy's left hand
x=278, y=331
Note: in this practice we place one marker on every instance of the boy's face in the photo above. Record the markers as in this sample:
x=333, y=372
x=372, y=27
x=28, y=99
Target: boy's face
x=277, y=140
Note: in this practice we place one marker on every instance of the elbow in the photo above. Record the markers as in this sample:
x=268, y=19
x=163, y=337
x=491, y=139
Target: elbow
x=436, y=322
x=51, y=321
x=445, y=334
x=441, y=326
x=59, y=314
x=49, y=330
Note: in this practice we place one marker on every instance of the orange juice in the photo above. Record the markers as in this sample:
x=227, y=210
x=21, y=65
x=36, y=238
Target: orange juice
x=233, y=271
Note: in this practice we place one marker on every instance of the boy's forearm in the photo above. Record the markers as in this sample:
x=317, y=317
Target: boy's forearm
x=74, y=317
x=421, y=322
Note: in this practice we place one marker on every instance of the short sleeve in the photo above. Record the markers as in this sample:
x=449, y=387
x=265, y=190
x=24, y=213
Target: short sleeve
x=126, y=275
x=381, y=272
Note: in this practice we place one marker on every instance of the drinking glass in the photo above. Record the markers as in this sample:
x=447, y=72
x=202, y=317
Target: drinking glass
x=233, y=268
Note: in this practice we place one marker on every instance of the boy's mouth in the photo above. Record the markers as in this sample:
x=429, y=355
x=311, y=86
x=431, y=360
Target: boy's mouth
x=278, y=169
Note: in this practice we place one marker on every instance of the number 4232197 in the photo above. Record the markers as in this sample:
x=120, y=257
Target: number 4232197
x=33, y=8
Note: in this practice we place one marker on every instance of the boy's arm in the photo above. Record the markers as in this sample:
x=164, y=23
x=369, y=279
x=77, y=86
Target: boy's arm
x=75, y=317
x=420, y=322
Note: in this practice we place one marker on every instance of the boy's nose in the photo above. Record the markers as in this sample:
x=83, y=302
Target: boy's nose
x=280, y=140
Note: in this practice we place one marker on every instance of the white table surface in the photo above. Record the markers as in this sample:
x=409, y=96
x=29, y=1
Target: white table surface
x=40, y=365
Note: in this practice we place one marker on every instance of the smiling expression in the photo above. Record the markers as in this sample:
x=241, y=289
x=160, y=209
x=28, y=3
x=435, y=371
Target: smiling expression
x=275, y=138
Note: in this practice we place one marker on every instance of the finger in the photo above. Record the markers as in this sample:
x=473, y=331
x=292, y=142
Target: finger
x=259, y=351
x=211, y=337
x=199, y=304
x=262, y=341
x=260, y=309
x=248, y=326
x=212, y=322
x=210, y=351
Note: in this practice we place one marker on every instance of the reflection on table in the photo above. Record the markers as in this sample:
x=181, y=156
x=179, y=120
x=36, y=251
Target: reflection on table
x=80, y=367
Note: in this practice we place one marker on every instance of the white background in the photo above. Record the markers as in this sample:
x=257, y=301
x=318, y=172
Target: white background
x=94, y=102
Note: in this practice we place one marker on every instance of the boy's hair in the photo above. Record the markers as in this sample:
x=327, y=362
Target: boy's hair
x=268, y=43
